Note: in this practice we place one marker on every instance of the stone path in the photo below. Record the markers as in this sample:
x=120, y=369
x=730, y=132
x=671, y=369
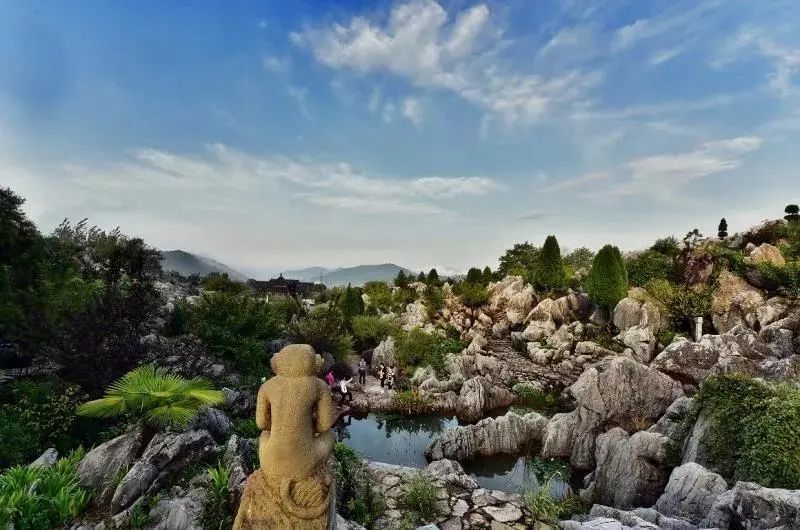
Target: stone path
x=518, y=367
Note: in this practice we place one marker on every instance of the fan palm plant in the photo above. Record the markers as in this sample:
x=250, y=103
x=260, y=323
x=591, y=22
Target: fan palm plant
x=157, y=397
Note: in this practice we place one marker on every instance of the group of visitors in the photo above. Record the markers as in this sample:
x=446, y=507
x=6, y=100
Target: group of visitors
x=385, y=375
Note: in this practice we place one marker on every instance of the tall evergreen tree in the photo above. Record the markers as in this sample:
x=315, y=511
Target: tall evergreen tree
x=421, y=277
x=401, y=280
x=433, y=277
x=550, y=269
x=487, y=275
x=351, y=303
x=474, y=275
x=608, y=279
x=792, y=212
x=722, y=229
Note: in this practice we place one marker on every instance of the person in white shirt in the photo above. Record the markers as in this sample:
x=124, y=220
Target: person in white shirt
x=345, y=392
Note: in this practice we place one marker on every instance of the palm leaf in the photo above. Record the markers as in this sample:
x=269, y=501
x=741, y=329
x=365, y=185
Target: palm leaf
x=106, y=407
x=173, y=414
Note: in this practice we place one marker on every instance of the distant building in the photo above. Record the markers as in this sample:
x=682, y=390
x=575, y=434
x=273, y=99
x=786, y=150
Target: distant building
x=281, y=287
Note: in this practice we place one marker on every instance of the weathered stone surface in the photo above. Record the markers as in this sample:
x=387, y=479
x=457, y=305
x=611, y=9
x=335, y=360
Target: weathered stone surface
x=414, y=316
x=344, y=524
x=615, y=391
x=641, y=341
x=166, y=455
x=384, y=353
x=766, y=253
x=478, y=395
x=749, y=505
x=691, y=492
x=102, y=465
x=734, y=303
x=239, y=455
x=606, y=517
x=179, y=511
x=694, y=446
x=504, y=513
x=628, y=472
x=671, y=423
x=214, y=421
x=741, y=350
x=451, y=472
x=507, y=434
x=46, y=459
x=239, y=403
x=631, y=311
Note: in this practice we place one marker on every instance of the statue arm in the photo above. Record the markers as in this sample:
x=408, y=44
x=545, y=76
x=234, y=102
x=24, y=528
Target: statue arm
x=324, y=408
x=263, y=416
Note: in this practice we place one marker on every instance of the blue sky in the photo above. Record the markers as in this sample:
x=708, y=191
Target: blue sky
x=275, y=134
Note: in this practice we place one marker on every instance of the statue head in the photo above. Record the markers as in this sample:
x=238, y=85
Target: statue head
x=296, y=360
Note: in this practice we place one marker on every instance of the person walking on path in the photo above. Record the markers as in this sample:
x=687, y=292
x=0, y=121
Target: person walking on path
x=362, y=371
x=382, y=374
x=330, y=379
x=390, y=377
x=346, y=394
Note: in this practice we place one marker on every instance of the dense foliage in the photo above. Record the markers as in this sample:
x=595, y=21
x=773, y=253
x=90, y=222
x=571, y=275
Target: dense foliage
x=420, y=500
x=419, y=349
x=649, y=265
x=357, y=497
x=549, y=272
x=682, y=303
x=370, y=330
x=608, y=280
x=519, y=260
x=472, y=295
x=324, y=329
x=754, y=429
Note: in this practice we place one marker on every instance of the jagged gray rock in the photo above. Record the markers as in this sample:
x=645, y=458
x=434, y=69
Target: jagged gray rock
x=179, y=511
x=748, y=505
x=691, y=492
x=218, y=425
x=451, y=472
x=166, y=455
x=615, y=391
x=507, y=434
x=478, y=395
x=104, y=463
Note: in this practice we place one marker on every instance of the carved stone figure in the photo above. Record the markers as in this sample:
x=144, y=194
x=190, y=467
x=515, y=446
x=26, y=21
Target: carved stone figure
x=294, y=411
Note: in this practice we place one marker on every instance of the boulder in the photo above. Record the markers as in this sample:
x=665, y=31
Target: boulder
x=239, y=456
x=451, y=472
x=628, y=472
x=691, y=492
x=694, y=447
x=414, y=316
x=478, y=395
x=46, y=459
x=734, y=303
x=101, y=466
x=606, y=517
x=384, y=353
x=218, y=425
x=697, y=266
x=631, y=311
x=740, y=350
x=614, y=392
x=166, y=455
x=179, y=511
x=641, y=341
x=749, y=505
x=765, y=253
x=519, y=305
x=671, y=423
x=240, y=403
x=508, y=434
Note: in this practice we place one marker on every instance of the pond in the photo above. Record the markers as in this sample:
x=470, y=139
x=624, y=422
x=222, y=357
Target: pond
x=402, y=440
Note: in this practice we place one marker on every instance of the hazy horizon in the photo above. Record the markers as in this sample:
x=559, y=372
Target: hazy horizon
x=282, y=136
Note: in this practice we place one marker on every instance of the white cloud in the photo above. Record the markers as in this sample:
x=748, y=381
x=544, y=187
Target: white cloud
x=578, y=182
x=300, y=96
x=663, y=173
x=274, y=64
x=570, y=38
x=664, y=55
x=387, y=112
x=420, y=44
x=674, y=23
x=785, y=59
x=412, y=109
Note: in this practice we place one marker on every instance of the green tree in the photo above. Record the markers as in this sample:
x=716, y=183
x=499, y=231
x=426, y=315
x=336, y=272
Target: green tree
x=474, y=275
x=722, y=229
x=550, y=270
x=518, y=260
x=421, y=277
x=433, y=277
x=792, y=212
x=401, y=280
x=608, y=279
x=580, y=258
x=487, y=275
x=322, y=328
x=667, y=246
x=379, y=295
x=222, y=283
x=473, y=295
x=649, y=265
x=159, y=398
x=351, y=303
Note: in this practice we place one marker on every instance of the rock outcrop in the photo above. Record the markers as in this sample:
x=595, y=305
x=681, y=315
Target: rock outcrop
x=384, y=353
x=734, y=303
x=691, y=492
x=749, y=505
x=478, y=395
x=615, y=392
x=508, y=434
x=99, y=468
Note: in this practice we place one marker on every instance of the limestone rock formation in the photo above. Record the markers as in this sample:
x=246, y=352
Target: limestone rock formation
x=478, y=395
x=292, y=488
x=765, y=253
x=214, y=421
x=748, y=505
x=735, y=302
x=102, y=465
x=383, y=353
x=691, y=492
x=508, y=434
x=631, y=311
x=615, y=392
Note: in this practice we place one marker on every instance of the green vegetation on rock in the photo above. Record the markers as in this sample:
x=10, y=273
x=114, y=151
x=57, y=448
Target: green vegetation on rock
x=608, y=280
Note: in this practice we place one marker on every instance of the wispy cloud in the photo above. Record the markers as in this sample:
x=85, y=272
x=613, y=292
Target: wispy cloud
x=535, y=215
x=412, y=109
x=422, y=44
x=578, y=182
x=275, y=64
x=675, y=21
x=664, y=55
x=785, y=59
x=300, y=97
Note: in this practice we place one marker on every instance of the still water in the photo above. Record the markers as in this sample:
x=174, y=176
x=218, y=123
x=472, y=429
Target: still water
x=402, y=440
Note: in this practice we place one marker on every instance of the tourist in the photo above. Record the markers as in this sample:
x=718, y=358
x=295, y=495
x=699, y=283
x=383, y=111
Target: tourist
x=390, y=377
x=330, y=379
x=345, y=392
x=382, y=374
x=362, y=372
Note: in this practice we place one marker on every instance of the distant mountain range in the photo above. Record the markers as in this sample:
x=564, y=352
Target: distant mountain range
x=310, y=274
x=186, y=263
x=355, y=276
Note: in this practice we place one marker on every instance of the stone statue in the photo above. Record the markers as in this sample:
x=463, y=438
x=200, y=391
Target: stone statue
x=294, y=411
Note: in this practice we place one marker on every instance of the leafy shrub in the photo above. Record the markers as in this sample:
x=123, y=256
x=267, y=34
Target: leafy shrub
x=668, y=246
x=357, y=497
x=769, y=233
x=411, y=402
x=223, y=284
x=520, y=260
x=418, y=349
x=754, y=429
x=379, y=296
x=369, y=331
x=236, y=328
x=683, y=303
x=549, y=273
x=786, y=279
x=217, y=513
x=532, y=396
x=158, y=397
x=323, y=329
x=545, y=507
x=350, y=303
x=649, y=265
x=726, y=258
x=420, y=499
x=473, y=295
x=42, y=498
x=246, y=428
x=433, y=299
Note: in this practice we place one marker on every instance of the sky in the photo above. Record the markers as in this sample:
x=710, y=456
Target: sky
x=274, y=135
